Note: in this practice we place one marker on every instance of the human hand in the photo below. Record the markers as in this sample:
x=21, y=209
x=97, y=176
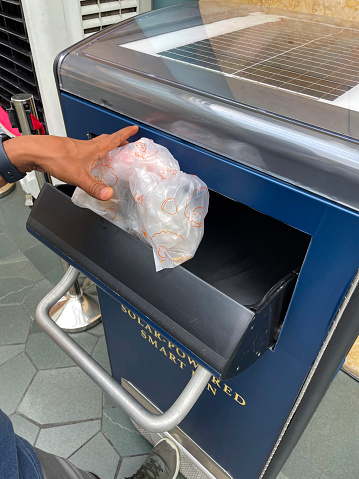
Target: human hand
x=67, y=159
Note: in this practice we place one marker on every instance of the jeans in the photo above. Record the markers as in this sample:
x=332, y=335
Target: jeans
x=19, y=460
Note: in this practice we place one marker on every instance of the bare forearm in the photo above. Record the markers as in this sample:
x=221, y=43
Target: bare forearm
x=66, y=159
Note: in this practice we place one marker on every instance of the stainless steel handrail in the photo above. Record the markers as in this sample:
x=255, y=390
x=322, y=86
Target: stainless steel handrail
x=151, y=422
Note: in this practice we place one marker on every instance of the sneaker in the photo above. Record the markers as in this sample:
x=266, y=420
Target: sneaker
x=163, y=462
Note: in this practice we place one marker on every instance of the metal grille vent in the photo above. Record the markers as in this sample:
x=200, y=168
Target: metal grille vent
x=17, y=71
x=97, y=14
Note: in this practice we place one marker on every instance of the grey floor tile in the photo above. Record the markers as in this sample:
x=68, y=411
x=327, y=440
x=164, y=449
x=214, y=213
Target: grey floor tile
x=25, y=428
x=15, y=376
x=85, y=340
x=7, y=247
x=119, y=429
x=14, y=324
x=328, y=448
x=19, y=266
x=97, y=456
x=54, y=276
x=15, y=268
x=13, y=258
x=13, y=212
x=100, y=354
x=14, y=290
x=24, y=240
x=282, y=476
x=46, y=354
x=35, y=328
x=30, y=273
x=97, y=330
x=62, y=395
x=8, y=352
x=129, y=466
x=43, y=258
x=108, y=402
x=35, y=295
x=65, y=440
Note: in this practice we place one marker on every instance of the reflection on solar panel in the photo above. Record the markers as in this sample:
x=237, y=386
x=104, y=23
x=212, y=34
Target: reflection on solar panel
x=313, y=59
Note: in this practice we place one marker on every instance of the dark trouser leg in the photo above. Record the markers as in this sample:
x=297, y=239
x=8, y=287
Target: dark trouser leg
x=54, y=467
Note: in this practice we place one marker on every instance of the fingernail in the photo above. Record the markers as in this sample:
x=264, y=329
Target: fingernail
x=105, y=193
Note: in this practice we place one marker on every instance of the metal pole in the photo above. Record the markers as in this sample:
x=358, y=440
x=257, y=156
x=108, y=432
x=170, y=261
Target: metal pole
x=75, y=311
x=151, y=422
x=23, y=105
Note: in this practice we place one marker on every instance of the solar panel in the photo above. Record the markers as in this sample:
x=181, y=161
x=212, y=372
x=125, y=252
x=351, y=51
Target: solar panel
x=312, y=59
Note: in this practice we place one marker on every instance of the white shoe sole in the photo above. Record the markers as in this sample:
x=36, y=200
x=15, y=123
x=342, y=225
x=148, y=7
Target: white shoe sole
x=178, y=457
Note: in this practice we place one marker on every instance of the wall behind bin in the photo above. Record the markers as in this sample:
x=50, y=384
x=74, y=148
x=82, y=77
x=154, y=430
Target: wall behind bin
x=343, y=9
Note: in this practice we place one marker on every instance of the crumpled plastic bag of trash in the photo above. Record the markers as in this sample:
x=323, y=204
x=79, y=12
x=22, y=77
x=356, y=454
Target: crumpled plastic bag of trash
x=153, y=200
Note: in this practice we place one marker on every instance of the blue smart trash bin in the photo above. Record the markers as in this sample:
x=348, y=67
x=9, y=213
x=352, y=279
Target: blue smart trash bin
x=255, y=326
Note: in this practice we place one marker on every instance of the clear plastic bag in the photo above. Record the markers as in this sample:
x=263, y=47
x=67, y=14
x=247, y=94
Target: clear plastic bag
x=153, y=200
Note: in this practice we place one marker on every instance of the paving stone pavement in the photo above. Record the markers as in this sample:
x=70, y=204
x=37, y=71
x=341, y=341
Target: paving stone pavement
x=51, y=402
x=56, y=407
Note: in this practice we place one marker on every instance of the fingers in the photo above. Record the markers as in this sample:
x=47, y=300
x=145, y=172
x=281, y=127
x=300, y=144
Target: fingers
x=105, y=144
x=102, y=144
x=119, y=137
x=95, y=188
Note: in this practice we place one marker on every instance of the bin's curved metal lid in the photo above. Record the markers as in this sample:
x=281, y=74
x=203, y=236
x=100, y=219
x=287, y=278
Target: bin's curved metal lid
x=278, y=91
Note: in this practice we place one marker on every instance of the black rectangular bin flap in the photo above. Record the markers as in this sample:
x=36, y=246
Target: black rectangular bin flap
x=225, y=306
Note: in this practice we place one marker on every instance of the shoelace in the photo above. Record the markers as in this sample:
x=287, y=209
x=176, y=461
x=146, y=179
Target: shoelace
x=150, y=470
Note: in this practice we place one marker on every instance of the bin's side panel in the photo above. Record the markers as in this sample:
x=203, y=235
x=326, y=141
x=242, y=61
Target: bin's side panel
x=342, y=337
x=237, y=422
x=221, y=419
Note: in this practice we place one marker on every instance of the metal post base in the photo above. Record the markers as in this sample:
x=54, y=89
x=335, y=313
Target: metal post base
x=7, y=189
x=75, y=313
